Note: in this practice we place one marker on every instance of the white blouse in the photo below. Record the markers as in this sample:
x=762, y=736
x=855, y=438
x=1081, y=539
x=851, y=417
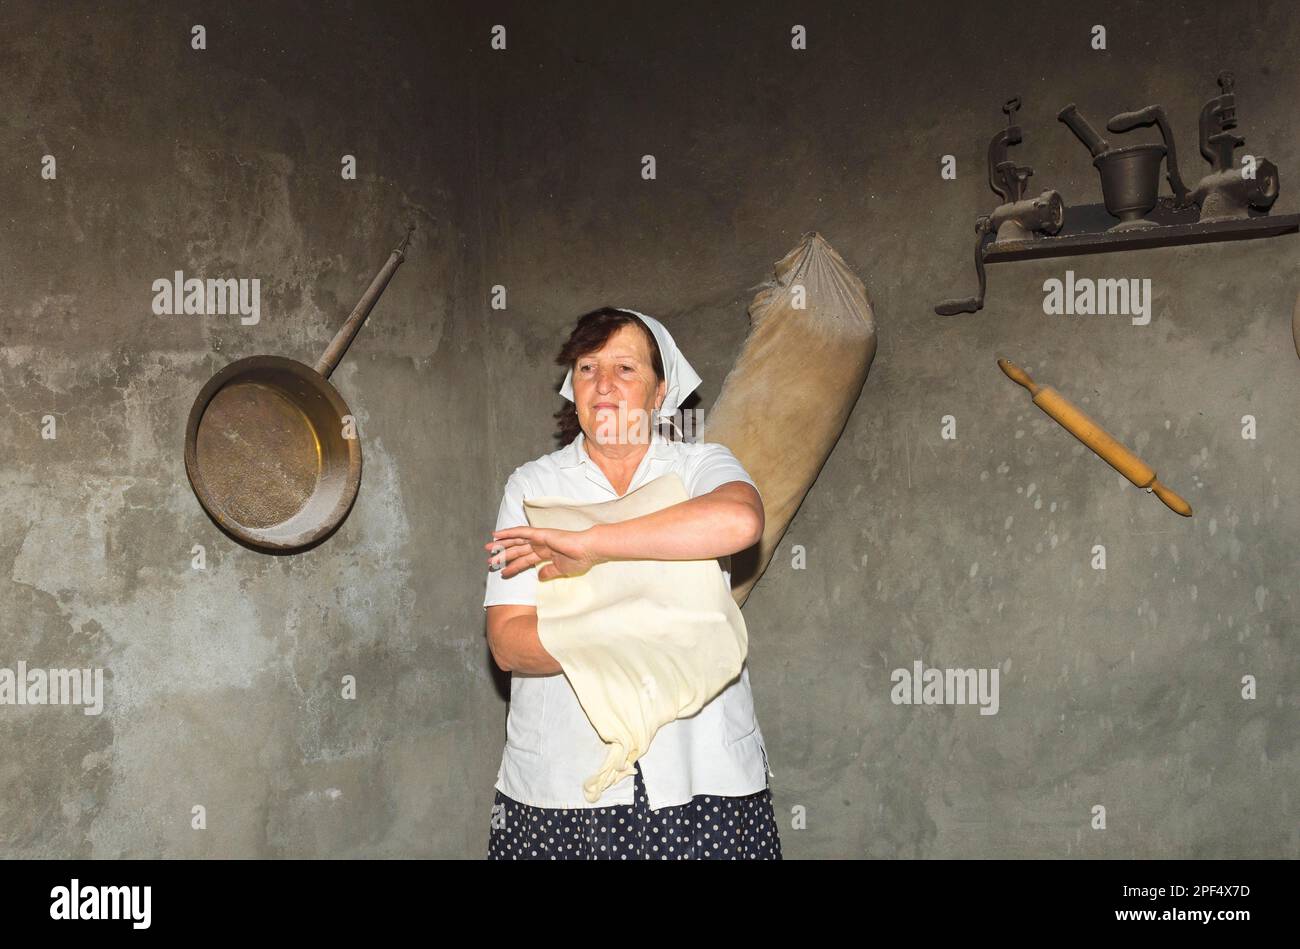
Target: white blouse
x=551, y=746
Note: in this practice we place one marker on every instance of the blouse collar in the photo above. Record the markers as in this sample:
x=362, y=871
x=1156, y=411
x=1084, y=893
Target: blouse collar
x=575, y=453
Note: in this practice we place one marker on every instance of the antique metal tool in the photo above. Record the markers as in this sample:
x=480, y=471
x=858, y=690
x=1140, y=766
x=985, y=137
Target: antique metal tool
x=1078, y=424
x=1295, y=325
x=1130, y=174
x=1017, y=219
x=270, y=447
x=1228, y=193
x=1229, y=204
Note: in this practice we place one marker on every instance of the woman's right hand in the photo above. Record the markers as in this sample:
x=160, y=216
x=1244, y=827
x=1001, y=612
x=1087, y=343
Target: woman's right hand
x=565, y=553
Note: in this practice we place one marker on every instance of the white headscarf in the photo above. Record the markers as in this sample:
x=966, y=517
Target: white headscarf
x=682, y=379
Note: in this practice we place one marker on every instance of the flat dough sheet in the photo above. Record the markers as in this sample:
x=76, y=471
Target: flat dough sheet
x=642, y=642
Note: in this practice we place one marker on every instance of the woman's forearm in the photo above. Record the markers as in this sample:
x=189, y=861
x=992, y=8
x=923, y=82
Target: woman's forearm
x=521, y=649
x=712, y=525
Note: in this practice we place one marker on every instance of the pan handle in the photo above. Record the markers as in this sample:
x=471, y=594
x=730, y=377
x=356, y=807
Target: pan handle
x=343, y=339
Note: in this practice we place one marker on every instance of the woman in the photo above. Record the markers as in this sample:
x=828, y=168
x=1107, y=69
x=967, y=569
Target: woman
x=700, y=790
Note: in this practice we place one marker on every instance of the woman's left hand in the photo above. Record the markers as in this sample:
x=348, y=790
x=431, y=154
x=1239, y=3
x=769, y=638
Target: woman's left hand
x=570, y=552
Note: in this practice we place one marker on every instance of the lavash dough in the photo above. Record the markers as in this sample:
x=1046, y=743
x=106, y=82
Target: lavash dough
x=642, y=642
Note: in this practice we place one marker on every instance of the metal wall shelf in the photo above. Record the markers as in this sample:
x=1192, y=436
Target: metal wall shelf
x=1087, y=231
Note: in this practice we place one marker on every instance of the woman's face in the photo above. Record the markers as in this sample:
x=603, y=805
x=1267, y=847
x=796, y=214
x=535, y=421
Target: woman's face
x=615, y=390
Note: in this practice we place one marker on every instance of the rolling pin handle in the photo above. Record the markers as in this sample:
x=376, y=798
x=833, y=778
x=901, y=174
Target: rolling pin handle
x=1018, y=375
x=1172, y=500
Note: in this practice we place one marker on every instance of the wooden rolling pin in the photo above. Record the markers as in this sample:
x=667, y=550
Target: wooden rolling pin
x=1091, y=434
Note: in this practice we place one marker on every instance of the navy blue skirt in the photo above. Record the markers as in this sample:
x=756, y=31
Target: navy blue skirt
x=708, y=827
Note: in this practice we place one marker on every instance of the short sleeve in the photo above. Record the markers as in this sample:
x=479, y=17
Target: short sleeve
x=521, y=589
x=714, y=465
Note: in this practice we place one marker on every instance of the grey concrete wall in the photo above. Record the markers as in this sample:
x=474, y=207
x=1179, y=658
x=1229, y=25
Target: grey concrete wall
x=1119, y=688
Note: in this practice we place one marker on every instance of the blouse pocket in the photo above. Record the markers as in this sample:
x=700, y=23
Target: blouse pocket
x=527, y=708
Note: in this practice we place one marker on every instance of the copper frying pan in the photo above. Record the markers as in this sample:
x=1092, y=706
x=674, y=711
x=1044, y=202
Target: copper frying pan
x=266, y=447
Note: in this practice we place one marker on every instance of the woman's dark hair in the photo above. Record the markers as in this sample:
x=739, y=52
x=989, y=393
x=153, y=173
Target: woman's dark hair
x=590, y=335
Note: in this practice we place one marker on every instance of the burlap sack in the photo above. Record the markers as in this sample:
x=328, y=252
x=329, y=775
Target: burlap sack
x=786, y=400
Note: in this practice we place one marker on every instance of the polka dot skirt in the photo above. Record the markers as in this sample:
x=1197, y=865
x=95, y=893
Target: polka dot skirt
x=708, y=827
